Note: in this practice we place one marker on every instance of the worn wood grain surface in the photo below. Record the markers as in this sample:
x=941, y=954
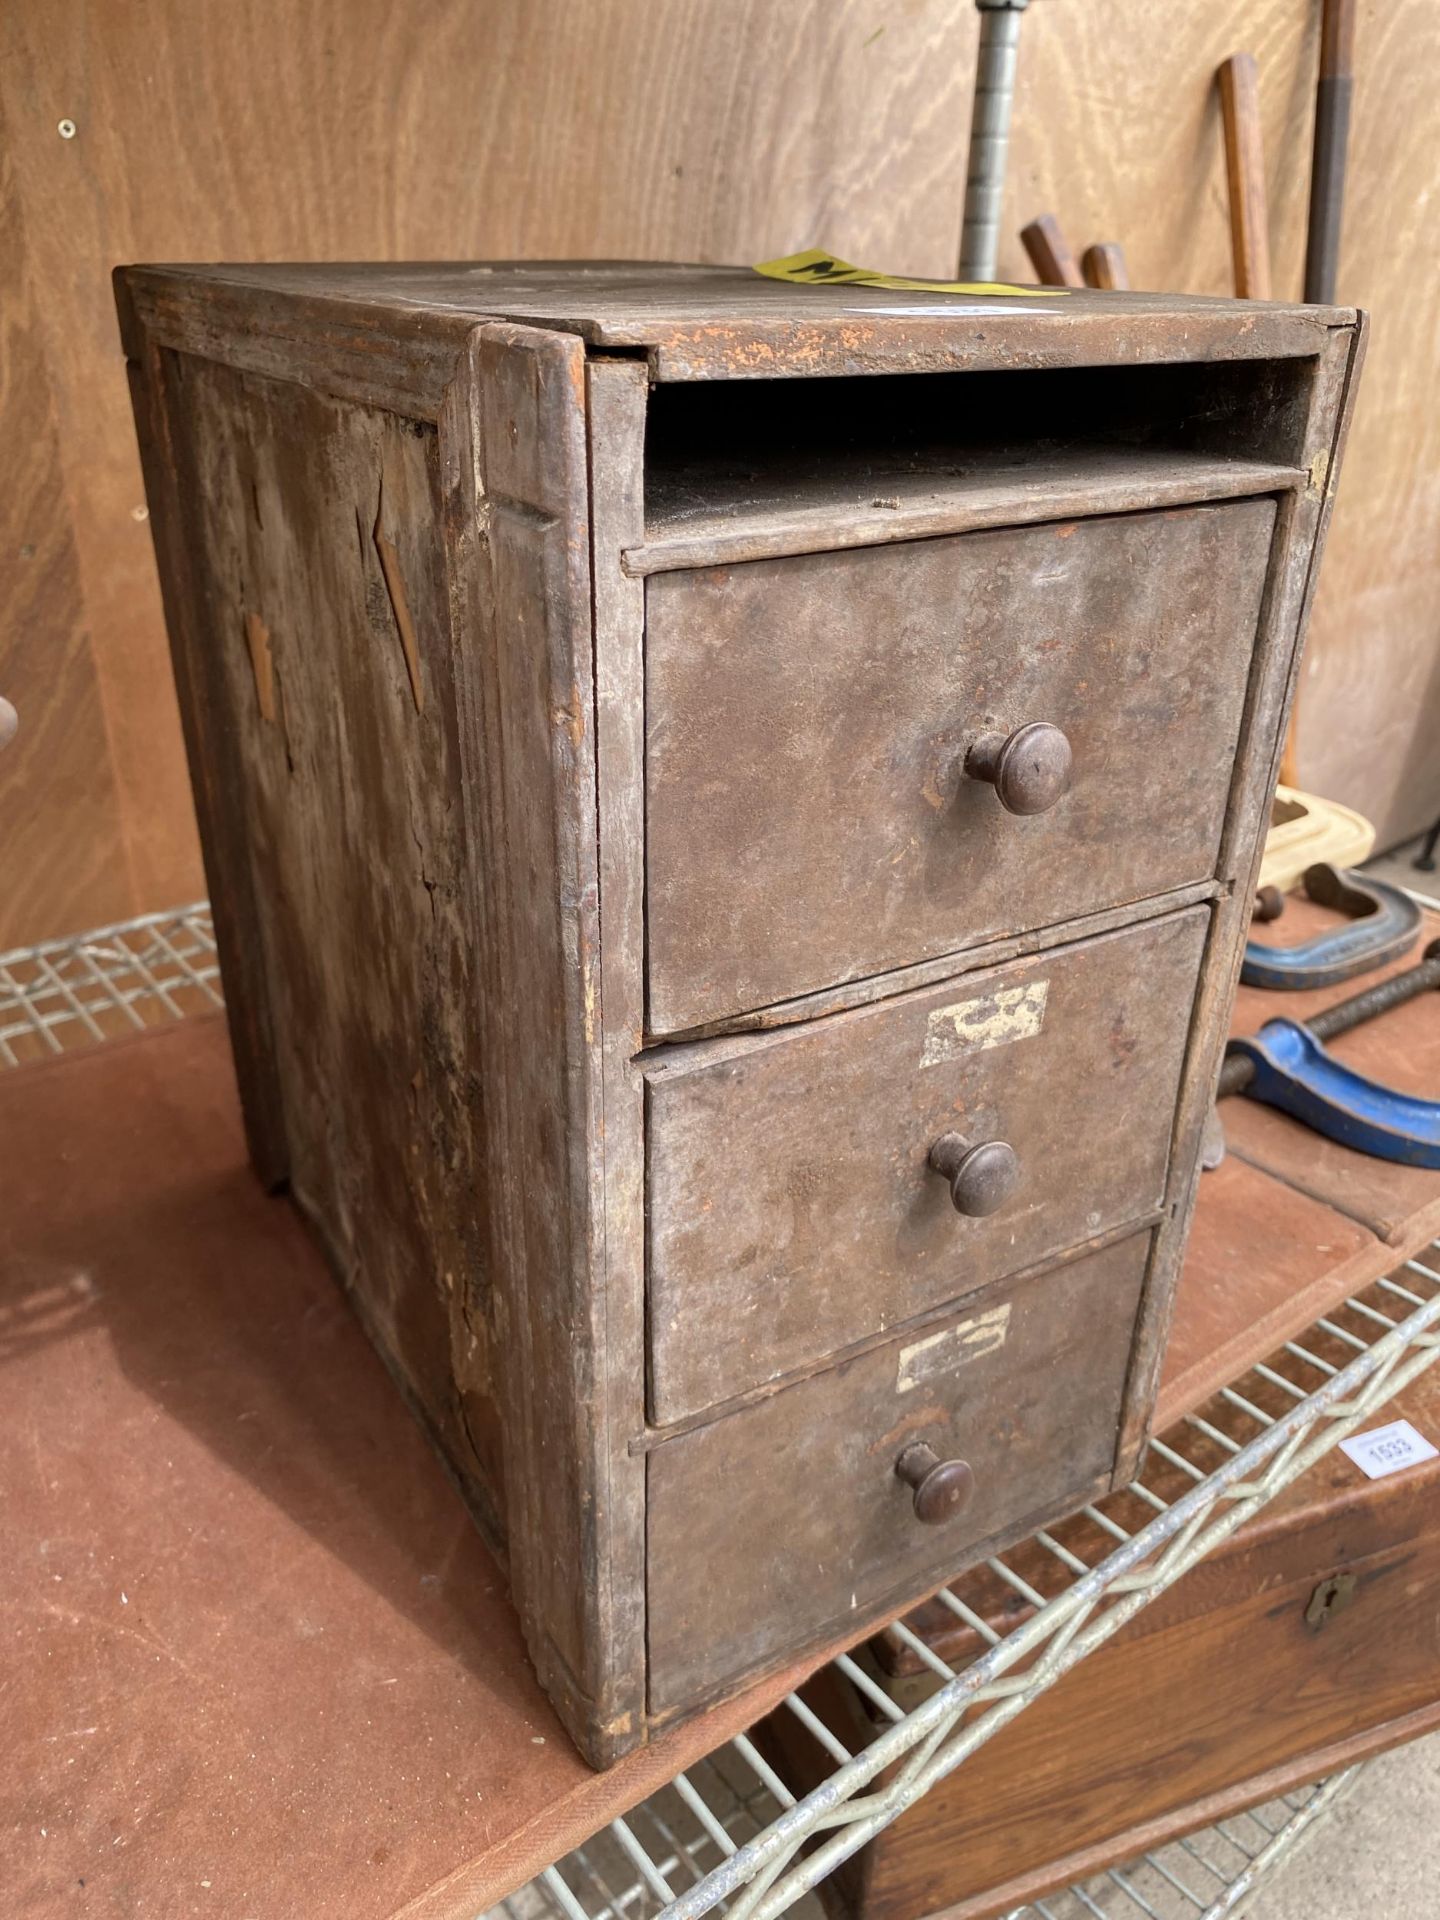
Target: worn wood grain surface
x=791, y=1209
x=808, y=721
x=63, y=861
x=356, y=861
x=531, y=769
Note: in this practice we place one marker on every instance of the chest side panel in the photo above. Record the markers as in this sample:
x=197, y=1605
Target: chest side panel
x=313, y=530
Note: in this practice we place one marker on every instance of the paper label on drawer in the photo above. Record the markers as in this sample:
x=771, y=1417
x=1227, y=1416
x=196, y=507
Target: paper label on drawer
x=1387, y=1449
x=993, y=1020
x=927, y=1359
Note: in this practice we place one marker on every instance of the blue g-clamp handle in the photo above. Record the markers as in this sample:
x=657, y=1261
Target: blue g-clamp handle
x=1383, y=922
x=1293, y=1071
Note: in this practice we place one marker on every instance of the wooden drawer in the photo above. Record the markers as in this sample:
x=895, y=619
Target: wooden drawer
x=772, y=1527
x=808, y=721
x=792, y=1210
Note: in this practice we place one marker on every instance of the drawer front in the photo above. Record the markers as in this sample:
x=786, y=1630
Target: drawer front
x=809, y=722
x=792, y=1208
x=780, y=1526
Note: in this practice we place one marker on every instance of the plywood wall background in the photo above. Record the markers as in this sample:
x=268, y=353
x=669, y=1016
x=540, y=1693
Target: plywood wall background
x=725, y=130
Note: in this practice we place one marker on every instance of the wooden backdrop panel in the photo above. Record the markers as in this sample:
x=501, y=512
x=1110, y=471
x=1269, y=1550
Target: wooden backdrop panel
x=700, y=129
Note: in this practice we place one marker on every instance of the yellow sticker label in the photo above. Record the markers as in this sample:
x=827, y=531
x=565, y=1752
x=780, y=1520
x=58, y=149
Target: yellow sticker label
x=816, y=269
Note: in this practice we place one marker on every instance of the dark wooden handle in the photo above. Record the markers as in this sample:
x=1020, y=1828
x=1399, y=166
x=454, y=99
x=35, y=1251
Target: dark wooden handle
x=943, y=1488
x=982, y=1175
x=1029, y=769
x=9, y=723
x=1050, y=253
x=1103, y=265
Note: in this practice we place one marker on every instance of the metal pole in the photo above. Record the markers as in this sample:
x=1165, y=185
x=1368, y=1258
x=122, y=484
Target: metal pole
x=989, y=136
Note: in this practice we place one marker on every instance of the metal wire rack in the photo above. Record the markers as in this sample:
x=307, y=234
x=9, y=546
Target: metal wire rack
x=97, y=986
x=1203, y=1876
x=730, y=1836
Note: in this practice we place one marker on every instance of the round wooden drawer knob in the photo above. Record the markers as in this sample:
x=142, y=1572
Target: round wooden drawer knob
x=1029, y=769
x=9, y=723
x=943, y=1488
x=982, y=1175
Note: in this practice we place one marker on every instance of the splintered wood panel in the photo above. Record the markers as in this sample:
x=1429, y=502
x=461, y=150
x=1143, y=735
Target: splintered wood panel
x=808, y=818
x=792, y=1211
x=765, y=1526
x=326, y=661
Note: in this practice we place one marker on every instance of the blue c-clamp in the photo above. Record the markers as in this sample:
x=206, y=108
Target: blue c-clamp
x=1383, y=920
x=1286, y=1065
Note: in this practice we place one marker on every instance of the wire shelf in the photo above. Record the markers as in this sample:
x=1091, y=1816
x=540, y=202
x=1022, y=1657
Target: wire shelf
x=100, y=985
x=1203, y=1876
x=730, y=1836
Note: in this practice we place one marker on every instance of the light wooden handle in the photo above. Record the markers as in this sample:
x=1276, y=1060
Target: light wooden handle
x=1245, y=171
x=1104, y=265
x=9, y=723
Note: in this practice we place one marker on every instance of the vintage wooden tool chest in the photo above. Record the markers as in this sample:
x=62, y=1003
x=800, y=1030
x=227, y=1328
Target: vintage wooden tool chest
x=730, y=809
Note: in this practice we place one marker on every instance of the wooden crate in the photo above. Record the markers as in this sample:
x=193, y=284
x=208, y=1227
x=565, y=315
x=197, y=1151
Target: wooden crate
x=683, y=761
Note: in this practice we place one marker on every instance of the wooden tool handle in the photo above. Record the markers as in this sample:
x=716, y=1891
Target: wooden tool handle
x=1050, y=253
x=1327, y=164
x=1104, y=265
x=1245, y=171
x=1337, y=40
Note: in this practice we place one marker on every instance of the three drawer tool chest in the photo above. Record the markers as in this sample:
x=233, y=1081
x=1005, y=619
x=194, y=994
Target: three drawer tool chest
x=731, y=812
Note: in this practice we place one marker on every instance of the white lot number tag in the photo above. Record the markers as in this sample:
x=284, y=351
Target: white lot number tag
x=1387, y=1449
